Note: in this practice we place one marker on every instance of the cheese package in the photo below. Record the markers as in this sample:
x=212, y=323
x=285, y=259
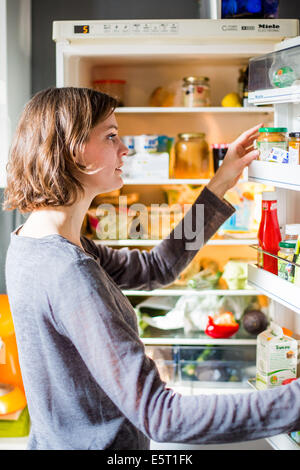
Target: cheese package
x=276, y=357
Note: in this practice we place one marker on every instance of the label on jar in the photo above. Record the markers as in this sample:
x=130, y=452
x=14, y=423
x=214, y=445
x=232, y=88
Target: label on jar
x=294, y=152
x=286, y=270
x=196, y=95
x=265, y=148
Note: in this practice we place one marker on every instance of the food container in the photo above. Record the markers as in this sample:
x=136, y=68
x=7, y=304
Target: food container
x=269, y=138
x=196, y=91
x=294, y=148
x=153, y=222
x=129, y=142
x=286, y=270
x=112, y=87
x=276, y=358
x=145, y=143
x=219, y=152
x=192, y=156
x=292, y=232
x=215, y=363
x=113, y=224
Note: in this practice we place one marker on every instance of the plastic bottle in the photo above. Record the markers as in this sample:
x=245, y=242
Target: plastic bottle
x=269, y=235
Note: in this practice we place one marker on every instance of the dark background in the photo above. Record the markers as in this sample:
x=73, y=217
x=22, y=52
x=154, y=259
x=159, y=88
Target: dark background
x=44, y=12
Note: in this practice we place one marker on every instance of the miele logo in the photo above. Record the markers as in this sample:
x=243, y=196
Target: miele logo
x=269, y=26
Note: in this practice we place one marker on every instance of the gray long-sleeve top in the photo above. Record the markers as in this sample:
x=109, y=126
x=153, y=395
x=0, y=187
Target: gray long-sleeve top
x=88, y=382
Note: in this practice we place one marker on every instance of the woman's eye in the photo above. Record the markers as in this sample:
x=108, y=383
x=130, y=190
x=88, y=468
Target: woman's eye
x=112, y=136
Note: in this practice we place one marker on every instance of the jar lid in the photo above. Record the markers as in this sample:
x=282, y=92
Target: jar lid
x=294, y=134
x=292, y=229
x=219, y=146
x=272, y=129
x=192, y=135
x=287, y=244
x=195, y=79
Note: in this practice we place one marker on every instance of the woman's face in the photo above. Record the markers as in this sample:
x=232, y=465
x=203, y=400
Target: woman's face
x=103, y=154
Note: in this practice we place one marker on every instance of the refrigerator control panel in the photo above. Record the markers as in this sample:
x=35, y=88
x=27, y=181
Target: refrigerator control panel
x=274, y=30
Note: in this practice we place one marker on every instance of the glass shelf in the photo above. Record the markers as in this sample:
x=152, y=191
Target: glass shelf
x=204, y=110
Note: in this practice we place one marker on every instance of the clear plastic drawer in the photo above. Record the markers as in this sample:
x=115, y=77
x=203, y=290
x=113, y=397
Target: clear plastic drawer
x=278, y=69
x=215, y=363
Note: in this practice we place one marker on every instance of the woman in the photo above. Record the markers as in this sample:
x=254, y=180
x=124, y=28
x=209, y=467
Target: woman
x=88, y=382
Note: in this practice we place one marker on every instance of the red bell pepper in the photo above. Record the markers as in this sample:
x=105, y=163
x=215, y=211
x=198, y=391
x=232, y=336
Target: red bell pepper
x=222, y=326
x=287, y=381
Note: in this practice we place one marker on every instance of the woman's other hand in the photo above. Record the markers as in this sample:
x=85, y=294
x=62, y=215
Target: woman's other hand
x=239, y=155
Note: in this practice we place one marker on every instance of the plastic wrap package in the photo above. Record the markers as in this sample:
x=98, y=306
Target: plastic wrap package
x=190, y=312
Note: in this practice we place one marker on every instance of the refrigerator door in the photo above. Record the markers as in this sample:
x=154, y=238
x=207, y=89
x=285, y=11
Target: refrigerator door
x=275, y=78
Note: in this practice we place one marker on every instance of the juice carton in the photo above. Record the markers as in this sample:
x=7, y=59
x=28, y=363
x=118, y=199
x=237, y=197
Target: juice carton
x=276, y=357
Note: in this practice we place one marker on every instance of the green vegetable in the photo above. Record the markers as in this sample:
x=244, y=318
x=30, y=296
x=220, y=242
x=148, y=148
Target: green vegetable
x=236, y=274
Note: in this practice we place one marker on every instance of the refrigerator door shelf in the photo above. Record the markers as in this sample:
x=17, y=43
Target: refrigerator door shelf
x=275, y=174
x=283, y=292
x=289, y=94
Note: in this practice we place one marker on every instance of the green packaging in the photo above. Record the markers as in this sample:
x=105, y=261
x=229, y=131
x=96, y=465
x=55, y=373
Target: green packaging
x=286, y=270
x=18, y=428
x=297, y=261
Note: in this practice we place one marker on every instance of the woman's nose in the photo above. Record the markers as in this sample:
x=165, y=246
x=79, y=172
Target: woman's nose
x=123, y=150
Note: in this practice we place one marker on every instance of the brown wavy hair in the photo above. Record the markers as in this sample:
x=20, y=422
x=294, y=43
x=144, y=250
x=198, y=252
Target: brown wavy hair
x=42, y=170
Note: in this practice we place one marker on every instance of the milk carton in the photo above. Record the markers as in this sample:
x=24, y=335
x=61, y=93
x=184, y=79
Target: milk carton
x=276, y=357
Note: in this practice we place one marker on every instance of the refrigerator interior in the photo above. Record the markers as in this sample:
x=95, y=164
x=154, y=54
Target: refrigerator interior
x=145, y=67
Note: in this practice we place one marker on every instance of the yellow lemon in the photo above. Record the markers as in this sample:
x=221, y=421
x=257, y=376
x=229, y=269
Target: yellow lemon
x=231, y=100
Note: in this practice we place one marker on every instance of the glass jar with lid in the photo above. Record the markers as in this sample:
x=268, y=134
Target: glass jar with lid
x=270, y=137
x=294, y=148
x=286, y=253
x=192, y=156
x=196, y=91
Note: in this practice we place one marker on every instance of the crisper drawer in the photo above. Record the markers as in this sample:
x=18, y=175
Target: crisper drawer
x=205, y=363
x=214, y=363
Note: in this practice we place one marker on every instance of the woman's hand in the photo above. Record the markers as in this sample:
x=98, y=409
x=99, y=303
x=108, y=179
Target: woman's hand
x=239, y=155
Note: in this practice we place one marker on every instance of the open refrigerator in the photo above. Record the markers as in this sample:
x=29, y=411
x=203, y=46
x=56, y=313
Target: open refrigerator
x=150, y=54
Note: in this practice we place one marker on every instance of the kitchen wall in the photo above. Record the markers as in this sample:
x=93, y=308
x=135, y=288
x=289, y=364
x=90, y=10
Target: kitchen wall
x=43, y=52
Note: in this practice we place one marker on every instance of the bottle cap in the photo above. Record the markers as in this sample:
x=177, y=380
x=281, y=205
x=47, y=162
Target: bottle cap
x=295, y=134
x=269, y=196
x=272, y=129
x=287, y=244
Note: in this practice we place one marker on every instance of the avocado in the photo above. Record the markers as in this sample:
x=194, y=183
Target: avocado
x=254, y=321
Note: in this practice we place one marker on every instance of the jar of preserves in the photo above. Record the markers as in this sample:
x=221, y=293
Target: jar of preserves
x=286, y=252
x=294, y=148
x=196, y=91
x=192, y=156
x=270, y=137
x=219, y=152
x=111, y=87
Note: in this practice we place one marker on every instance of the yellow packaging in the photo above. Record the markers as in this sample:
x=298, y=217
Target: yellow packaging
x=2, y=352
x=276, y=357
x=297, y=261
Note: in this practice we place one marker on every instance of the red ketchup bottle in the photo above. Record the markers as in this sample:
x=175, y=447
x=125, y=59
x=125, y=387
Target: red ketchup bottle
x=269, y=235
